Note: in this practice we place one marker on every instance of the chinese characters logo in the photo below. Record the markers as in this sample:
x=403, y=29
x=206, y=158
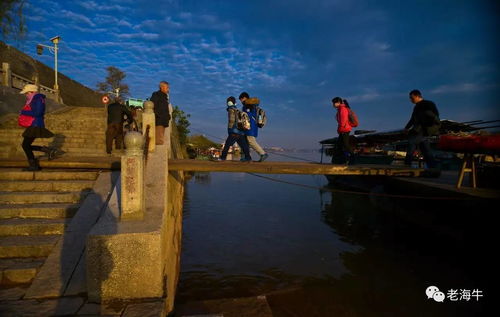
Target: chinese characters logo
x=453, y=295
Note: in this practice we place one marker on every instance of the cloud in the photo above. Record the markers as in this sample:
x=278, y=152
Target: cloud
x=278, y=51
x=141, y=36
x=77, y=18
x=463, y=88
x=35, y=18
x=93, y=6
x=369, y=96
x=124, y=23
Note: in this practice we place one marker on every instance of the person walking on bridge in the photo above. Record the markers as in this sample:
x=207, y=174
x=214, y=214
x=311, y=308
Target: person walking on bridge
x=250, y=107
x=424, y=122
x=234, y=134
x=344, y=127
x=161, y=100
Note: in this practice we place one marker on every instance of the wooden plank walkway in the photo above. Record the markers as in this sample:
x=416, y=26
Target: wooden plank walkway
x=109, y=162
x=291, y=168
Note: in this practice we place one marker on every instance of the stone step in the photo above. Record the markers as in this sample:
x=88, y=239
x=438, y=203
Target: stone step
x=14, y=150
x=27, y=246
x=59, y=138
x=85, y=151
x=45, y=186
x=67, y=161
x=64, y=132
x=90, y=144
x=19, y=270
x=40, y=197
x=41, y=211
x=60, y=128
x=76, y=118
x=53, y=122
x=63, y=126
x=27, y=227
x=75, y=155
x=47, y=174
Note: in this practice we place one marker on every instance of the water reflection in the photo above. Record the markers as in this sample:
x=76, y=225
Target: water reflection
x=401, y=258
x=247, y=236
x=202, y=178
x=322, y=253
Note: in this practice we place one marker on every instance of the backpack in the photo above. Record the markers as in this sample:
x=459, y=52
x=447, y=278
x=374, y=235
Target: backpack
x=353, y=119
x=261, y=117
x=242, y=120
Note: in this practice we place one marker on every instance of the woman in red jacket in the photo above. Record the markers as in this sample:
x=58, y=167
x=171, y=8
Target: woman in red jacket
x=344, y=128
x=32, y=118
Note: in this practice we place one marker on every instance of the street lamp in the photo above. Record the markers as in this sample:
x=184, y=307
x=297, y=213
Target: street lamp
x=53, y=49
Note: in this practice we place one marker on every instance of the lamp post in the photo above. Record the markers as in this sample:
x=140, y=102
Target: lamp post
x=53, y=49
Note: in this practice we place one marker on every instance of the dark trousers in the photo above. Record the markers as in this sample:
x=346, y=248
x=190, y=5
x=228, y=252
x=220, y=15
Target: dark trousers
x=242, y=142
x=28, y=148
x=114, y=132
x=344, y=150
x=421, y=141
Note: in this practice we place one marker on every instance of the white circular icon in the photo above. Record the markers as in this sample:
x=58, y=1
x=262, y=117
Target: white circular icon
x=105, y=99
x=430, y=291
x=438, y=296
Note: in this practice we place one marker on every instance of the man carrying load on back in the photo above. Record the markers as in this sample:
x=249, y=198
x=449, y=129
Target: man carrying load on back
x=250, y=106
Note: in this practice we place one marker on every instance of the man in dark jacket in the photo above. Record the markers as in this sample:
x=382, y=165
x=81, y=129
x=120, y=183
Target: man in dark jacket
x=424, y=122
x=116, y=113
x=161, y=101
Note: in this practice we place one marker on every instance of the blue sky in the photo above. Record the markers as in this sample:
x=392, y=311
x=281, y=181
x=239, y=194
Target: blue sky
x=294, y=55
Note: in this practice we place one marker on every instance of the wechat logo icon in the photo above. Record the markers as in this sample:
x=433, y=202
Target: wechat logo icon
x=434, y=293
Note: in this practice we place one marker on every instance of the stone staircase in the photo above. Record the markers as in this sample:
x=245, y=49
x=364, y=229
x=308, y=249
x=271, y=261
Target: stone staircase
x=79, y=131
x=35, y=208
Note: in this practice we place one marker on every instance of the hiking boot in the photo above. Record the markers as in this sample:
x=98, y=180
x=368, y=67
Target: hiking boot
x=263, y=157
x=246, y=159
x=50, y=151
x=33, y=166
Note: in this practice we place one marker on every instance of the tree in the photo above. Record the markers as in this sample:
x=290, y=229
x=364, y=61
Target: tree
x=182, y=123
x=114, y=81
x=203, y=143
x=12, y=19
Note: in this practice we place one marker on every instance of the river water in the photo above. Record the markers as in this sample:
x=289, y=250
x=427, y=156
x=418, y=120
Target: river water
x=315, y=251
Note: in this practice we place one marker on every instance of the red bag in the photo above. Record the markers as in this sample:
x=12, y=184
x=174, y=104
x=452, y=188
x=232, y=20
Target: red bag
x=353, y=119
x=24, y=120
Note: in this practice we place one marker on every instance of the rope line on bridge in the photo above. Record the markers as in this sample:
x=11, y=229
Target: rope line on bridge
x=359, y=192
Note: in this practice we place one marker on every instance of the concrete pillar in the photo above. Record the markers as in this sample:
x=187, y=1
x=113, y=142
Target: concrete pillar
x=7, y=75
x=148, y=119
x=132, y=177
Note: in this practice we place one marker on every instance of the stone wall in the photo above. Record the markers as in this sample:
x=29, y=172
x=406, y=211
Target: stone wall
x=174, y=223
x=136, y=259
x=72, y=92
x=11, y=102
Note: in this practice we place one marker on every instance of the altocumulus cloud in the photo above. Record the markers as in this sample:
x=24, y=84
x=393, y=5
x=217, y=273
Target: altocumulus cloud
x=294, y=55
